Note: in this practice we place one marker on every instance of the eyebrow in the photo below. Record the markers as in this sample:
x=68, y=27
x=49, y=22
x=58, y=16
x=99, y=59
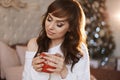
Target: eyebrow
x=49, y=15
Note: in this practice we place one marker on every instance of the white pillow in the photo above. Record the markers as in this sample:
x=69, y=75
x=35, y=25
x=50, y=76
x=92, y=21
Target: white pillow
x=8, y=58
x=21, y=53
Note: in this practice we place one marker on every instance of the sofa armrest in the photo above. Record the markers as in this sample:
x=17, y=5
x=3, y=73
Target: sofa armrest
x=14, y=73
x=8, y=58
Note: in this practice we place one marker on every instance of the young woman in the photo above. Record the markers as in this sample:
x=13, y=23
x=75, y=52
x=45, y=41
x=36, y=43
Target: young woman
x=59, y=52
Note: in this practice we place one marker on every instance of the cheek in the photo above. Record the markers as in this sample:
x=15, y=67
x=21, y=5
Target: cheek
x=65, y=30
x=62, y=32
x=46, y=23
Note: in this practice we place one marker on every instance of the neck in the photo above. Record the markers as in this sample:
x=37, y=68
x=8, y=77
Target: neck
x=55, y=42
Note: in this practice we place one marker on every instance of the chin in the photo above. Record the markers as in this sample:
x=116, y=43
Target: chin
x=50, y=37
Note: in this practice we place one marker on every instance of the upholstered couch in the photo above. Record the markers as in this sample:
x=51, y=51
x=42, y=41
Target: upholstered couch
x=12, y=61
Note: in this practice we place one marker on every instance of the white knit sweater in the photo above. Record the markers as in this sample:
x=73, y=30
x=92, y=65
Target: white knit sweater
x=80, y=71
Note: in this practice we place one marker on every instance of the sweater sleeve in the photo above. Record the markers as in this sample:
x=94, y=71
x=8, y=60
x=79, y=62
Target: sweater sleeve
x=28, y=60
x=81, y=70
x=29, y=73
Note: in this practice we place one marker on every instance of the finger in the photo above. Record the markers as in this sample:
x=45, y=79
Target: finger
x=51, y=70
x=49, y=57
x=54, y=58
x=54, y=64
x=37, y=67
x=50, y=63
x=39, y=70
x=57, y=66
x=56, y=70
x=59, y=55
x=58, y=60
x=38, y=54
x=37, y=60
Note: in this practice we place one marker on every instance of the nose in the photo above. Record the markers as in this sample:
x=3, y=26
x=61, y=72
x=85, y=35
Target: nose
x=51, y=25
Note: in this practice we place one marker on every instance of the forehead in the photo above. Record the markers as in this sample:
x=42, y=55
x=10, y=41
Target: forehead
x=57, y=18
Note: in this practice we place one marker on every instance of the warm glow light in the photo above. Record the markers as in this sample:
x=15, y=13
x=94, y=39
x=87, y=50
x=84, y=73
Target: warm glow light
x=117, y=16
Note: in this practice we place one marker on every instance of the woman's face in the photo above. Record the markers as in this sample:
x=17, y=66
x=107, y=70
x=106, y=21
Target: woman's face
x=55, y=27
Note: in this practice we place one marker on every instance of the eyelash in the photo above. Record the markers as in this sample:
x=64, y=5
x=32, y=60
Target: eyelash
x=59, y=24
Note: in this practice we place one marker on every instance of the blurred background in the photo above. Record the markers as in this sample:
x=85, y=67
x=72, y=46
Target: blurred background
x=20, y=20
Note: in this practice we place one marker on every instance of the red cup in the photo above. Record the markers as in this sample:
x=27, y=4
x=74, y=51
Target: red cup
x=46, y=66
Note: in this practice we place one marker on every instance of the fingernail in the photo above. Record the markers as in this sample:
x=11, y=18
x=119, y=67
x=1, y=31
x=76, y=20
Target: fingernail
x=46, y=62
x=40, y=57
x=42, y=64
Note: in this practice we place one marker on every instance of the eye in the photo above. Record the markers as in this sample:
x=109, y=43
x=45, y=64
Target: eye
x=49, y=19
x=60, y=24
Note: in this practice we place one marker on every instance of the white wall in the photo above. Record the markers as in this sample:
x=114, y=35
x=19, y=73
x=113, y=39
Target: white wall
x=113, y=8
x=19, y=26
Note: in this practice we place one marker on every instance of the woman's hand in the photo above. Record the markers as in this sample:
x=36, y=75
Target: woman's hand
x=37, y=63
x=57, y=61
x=54, y=60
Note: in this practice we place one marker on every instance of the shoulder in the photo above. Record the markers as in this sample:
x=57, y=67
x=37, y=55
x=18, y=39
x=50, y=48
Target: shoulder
x=32, y=45
x=84, y=60
x=84, y=49
x=84, y=46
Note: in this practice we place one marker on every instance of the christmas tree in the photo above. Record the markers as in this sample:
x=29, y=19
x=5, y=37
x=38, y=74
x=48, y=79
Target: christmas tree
x=99, y=37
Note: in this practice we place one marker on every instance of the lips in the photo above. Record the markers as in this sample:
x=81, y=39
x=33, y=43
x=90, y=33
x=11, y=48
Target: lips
x=50, y=32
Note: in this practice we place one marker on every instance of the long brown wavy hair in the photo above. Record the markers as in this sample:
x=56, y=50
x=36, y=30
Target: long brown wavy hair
x=71, y=46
